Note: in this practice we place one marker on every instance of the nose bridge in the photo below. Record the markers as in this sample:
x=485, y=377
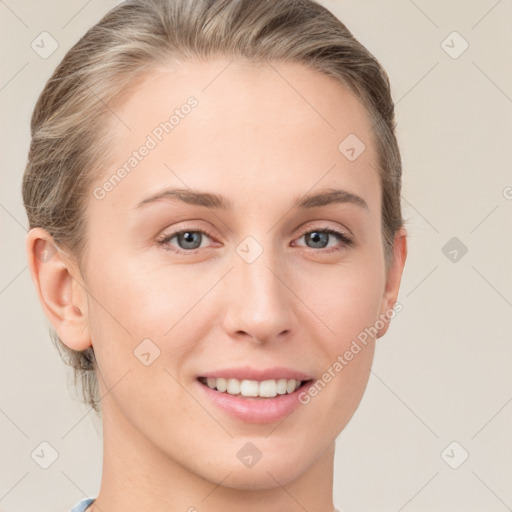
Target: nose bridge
x=259, y=304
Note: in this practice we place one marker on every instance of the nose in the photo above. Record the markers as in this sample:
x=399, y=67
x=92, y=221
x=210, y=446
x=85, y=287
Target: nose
x=259, y=304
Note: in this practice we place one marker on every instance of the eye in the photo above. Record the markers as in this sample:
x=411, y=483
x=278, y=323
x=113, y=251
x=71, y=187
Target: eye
x=188, y=240
x=320, y=238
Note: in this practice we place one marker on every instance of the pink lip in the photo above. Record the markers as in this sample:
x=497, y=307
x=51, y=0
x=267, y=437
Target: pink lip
x=256, y=410
x=249, y=373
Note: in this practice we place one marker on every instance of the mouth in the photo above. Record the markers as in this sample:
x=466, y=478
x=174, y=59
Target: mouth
x=254, y=389
x=255, y=395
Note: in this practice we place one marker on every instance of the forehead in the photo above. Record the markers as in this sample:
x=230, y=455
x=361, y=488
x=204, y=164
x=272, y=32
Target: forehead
x=269, y=128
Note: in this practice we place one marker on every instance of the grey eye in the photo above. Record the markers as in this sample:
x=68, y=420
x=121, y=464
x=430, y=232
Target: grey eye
x=189, y=239
x=319, y=239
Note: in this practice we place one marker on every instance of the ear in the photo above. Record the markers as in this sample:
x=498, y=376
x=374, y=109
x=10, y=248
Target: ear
x=394, y=276
x=63, y=298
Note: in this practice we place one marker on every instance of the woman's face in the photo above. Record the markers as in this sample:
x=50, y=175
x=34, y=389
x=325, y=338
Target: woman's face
x=255, y=288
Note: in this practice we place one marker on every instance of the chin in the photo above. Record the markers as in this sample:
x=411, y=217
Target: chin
x=266, y=477
x=266, y=473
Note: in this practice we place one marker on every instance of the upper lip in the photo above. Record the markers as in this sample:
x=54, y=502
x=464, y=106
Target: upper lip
x=260, y=374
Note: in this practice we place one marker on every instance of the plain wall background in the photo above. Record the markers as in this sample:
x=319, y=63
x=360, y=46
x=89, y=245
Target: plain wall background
x=443, y=371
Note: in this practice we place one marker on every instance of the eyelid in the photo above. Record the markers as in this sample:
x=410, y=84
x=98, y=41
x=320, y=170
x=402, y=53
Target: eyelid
x=344, y=237
x=167, y=236
x=325, y=226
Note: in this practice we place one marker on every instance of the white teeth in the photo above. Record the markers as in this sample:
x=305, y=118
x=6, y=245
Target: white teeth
x=221, y=385
x=281, y=387
x=268, y=388
x=249, y=388
x=233, y=386
x=253, y=388
x=290, y=386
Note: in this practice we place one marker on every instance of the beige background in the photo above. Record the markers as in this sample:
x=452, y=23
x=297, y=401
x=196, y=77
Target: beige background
x=443, y=371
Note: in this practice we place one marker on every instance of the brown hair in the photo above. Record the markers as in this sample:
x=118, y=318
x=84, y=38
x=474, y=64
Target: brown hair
x=70, y=122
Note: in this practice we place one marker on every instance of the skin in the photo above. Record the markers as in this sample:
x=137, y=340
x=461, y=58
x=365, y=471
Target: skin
x=299, y=305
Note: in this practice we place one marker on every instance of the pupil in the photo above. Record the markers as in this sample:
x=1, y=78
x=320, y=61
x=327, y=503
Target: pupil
x=188, y=238
x=318, y=238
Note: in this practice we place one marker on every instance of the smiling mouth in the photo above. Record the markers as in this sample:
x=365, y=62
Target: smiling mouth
x=253, y=388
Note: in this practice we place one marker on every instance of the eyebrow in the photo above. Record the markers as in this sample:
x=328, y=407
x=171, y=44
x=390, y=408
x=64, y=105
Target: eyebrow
x=209, y=200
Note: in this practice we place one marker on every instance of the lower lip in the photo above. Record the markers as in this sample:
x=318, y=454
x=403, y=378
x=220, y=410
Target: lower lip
x=256, y=410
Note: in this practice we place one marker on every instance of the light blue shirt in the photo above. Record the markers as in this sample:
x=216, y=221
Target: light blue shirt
x=82, y=505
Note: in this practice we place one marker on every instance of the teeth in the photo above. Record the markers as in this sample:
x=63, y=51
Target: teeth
x=233, y=386
x=268, y=388
x=281, y=387
x=221, y=385
x=253, y=388
x=249, y=388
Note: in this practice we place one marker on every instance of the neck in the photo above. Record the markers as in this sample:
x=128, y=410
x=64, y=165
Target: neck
x=137, y=475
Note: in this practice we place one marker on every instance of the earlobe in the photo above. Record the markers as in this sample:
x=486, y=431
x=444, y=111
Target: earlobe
x=64, y=301
x=394, y=277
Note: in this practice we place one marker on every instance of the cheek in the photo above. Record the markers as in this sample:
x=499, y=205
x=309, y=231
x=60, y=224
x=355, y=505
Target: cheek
x=141, y=346
x=145, y=300
x=345, y=299
x=140, y=309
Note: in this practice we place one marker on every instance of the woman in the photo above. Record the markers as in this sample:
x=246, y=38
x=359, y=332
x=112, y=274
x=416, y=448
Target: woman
x=213, y=192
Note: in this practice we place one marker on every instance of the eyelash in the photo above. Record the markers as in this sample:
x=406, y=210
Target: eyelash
x=163, y=241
